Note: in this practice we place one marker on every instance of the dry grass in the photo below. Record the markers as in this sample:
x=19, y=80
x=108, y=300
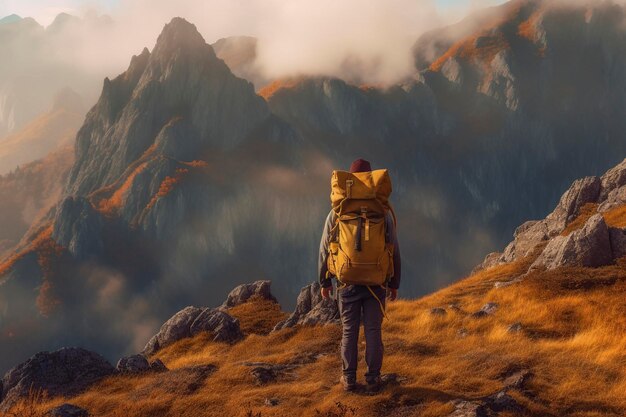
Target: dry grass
x=573, y=341
x=616, y=217
x=258, y=316
x=269, y=90
x=584, y=213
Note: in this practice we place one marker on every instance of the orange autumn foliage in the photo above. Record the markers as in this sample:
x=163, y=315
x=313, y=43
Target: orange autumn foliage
x=269, y=90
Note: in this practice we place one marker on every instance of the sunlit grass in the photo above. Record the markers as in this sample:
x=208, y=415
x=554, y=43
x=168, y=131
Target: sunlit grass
x=573, y=342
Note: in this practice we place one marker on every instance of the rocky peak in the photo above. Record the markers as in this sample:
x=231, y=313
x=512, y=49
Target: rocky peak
x=179, y=37
x=182, y=80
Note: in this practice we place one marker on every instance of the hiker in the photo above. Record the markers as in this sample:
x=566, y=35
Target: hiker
x=359, y=248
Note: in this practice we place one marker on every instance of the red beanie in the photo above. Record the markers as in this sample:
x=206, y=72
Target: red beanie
x=360, y=165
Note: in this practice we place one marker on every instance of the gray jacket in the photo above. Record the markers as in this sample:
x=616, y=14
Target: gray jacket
x=394, y=282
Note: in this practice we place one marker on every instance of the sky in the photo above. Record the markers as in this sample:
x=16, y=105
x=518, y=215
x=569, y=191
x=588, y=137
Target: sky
x=44, y=11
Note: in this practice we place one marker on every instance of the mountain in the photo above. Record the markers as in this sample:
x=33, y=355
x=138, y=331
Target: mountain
x=187, y=183
x=538, y=334
x=37, y=65
x=28, y=192
x=168, y=163
x=46, y=133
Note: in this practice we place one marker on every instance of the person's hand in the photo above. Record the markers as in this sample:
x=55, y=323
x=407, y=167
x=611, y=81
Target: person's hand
x=392, y=294
x=326, y=292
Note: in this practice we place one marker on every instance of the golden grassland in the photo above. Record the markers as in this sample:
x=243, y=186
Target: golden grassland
x=573, y=341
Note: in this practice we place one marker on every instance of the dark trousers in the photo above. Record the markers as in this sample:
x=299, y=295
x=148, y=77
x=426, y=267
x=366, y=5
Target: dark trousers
x=356, y=304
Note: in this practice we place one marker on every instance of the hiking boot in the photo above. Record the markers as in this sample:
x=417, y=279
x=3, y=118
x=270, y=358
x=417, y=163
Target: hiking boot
x=374, y=385
x=349, y=384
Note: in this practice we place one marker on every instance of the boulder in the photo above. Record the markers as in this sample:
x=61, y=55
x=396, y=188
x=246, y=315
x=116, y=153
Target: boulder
x=242, y=293
x=514, y=328
x=582, y=191
x=616, y=197
x=311, y=309
x=224, y=327
x=67, y=410
x=531, y=233
x=527, y=237
x=614, y=178
x=589, y=247
x=486, y=310
x=133, y=364
x=158, y=366
x=66, y=372
x=191, y=321
x=618, y=242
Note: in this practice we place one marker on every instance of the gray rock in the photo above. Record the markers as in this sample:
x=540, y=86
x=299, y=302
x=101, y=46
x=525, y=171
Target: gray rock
x=311, y=309
x=224, y=327
x=464, y=408
x=518, y=379
x=438, y=311
x=486, y=310
x=503, y=284
x=66, y=372
x=271, y=402
x=582, y=191
x=191, y=321
x=244, y=292
x=67, y=410
x=589, y=247
x=492, y=259
x=616, y=197
x=502, y=401
x=525, y=241
x=514, y=328
x=264, y=375
x=487, y=406
x=613, y=179
x=618, y=242
x=133, y=364
x=392, y=379
x=531, y=233
x=158, y=366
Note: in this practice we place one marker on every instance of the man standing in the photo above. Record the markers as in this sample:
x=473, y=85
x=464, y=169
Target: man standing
x=358, y=303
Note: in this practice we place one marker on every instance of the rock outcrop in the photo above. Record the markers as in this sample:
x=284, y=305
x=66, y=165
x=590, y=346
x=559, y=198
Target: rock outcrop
x=191, y=321
x=589, y=246
x=66, y=372
x=243, y=292
x=133, y=364
x=311, y=309
x=595, y=244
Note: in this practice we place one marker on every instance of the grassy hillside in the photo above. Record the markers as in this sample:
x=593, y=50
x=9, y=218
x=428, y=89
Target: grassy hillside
x=568, y=356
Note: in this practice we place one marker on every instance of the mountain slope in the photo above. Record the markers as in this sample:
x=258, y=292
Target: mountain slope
x=510, y=340
x=175, y=165
x=187, y=182
x=52, y=130
x=27, y=194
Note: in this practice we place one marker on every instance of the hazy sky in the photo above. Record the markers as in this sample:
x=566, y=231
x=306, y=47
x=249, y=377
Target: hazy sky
x=44, y=11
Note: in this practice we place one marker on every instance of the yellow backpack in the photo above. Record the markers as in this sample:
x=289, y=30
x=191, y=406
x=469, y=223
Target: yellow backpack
x=359, y=253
